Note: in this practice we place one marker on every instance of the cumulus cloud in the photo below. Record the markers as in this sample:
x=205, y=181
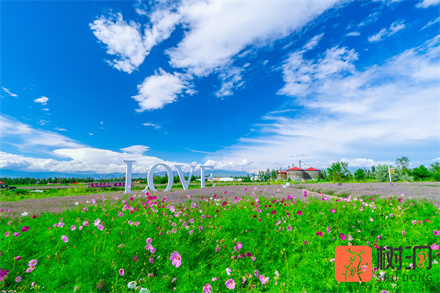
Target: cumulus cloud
x=216, y=35
x=160, y=89
x=43, y=100
x=384, y=33
x=373, y=17
x=122, y=39
x=8, y=92
x=390, y=107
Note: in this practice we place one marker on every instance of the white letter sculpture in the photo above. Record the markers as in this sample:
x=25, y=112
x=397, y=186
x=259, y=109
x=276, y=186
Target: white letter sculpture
x=128, y=175
x=182, y=177
x=202, y=175
x=170, y=177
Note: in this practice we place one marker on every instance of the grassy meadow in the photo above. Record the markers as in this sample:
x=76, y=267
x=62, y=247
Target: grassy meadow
x=253, y=243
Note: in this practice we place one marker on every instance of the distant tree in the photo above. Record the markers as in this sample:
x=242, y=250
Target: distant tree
x=435, y=170
x=338, y=171
x=359, y=175
x=403, y=163
x=421, y=173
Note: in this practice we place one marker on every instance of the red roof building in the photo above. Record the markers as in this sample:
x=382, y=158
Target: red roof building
x=312, y=169
x=295, y=169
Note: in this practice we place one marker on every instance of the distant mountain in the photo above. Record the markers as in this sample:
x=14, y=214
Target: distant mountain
x=13, y=174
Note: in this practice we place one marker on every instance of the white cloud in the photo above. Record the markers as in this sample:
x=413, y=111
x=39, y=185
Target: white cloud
x=90, y=133
x=299, y=74
x=122, y=39
x=427, y=3
x=27, y=138
x=384, y=33
x=230, y=79
x=60, y=129
x=102, y=122
x=136, y=149
x=373, y=17
x=216, y=33
x=151, y=124
x=43, y=100
x=353, y=34
x=350, y=114
x=45, y=109
x=313, y=42
x=436, y=159
x=8, y=92
x=434, y=21
x=160, y=89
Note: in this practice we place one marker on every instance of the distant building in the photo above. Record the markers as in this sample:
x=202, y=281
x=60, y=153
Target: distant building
x=282, y=175
x=312, y=173
x=295, y=173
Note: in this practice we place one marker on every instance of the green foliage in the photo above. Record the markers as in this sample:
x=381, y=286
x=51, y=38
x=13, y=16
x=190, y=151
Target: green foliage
x=338, y=171
x=382, y=174
x=403, y=163
x=421, y=173
x=91, y=255
x=359, y=175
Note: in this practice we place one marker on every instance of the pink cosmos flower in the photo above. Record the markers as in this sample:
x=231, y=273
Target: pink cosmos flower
x=151, y=260
x=191, y=221
x=72, y=227
x=149, y=240
x=256, y=273
x=333, y=211
x=121, y=272
x=228, y=271
x=378, y=237
x=17, y=258
x=152, y=250
x=3, y=274
x=6, y=234
x=135, y=258
x=435, y=247
x=16, y=234
x=246, y=189
x=80, y=227
x=263, y=279
x=207, y=288
x=403, y=232
x=319, y=233
x=176, y=259
x=328, y=229
x=65, y=239
x=32, y=263
x=30, y=269
x=299, y=213
x=305, y=242
x=436, y=232
x=230, y=284
x=18, y=279
x=191, y=232
x=289, y=228
x=200, y=228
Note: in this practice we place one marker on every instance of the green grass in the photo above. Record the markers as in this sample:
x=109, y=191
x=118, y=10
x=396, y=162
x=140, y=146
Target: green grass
x=91, y=255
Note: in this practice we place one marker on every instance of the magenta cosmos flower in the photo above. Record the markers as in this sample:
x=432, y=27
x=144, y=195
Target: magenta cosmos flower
x=25, y=228
x=230, y=284
x=319, y=233
x=342, y=236
x=436, y=232
x=299, y=213
x=121, y=272
x=207, y=288
x=176, y=259
x=333, y=211
x=17, y=258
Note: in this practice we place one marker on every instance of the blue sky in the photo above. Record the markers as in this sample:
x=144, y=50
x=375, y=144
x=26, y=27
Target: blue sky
x=241, y=86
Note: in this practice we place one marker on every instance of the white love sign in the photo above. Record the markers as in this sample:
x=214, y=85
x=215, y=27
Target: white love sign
x=150, y=184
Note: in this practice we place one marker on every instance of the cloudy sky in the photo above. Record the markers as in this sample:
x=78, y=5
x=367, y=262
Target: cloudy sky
x=242, y=86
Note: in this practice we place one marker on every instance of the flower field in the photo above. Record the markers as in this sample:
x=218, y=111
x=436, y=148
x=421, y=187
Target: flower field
x=247, y=242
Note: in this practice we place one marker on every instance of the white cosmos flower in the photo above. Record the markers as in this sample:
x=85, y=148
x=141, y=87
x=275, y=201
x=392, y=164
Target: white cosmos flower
x=76, y=203
x=132, y=285
x=24, y=214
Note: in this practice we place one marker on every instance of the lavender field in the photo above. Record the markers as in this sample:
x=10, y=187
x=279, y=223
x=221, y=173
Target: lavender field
x=415, y=190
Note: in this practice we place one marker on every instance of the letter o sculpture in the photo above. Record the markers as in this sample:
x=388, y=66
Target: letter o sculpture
x=170, y=177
